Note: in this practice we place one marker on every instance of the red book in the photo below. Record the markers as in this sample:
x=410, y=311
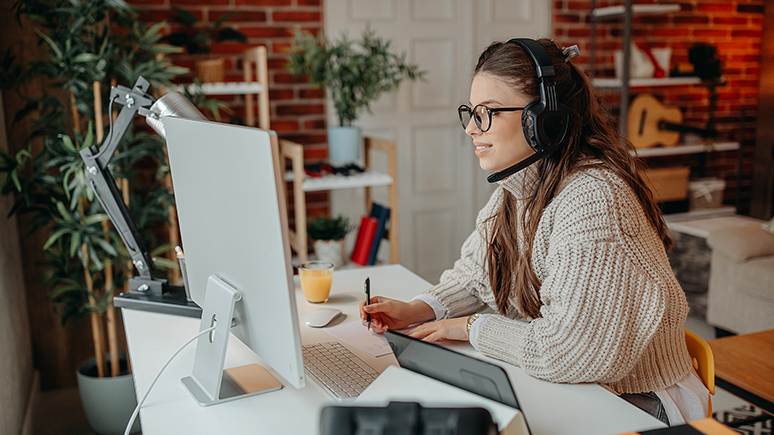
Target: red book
x=365, y=237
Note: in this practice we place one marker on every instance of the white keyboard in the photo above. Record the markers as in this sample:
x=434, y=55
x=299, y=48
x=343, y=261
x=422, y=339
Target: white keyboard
x=340, y=372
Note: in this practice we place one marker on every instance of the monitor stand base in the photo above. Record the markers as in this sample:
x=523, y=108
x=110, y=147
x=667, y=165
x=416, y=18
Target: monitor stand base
x=209, y=384
x=237, y=383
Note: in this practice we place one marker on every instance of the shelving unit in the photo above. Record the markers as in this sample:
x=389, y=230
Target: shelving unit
x=625, y=12
x=686, y=149
x=254, y=87
x=614, y=83
x=295, y=153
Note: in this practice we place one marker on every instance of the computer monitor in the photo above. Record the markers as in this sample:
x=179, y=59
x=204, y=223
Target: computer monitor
x=233, y=223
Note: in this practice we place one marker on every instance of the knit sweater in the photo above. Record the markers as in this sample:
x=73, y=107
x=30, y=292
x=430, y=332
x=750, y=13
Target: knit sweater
x=613, y=312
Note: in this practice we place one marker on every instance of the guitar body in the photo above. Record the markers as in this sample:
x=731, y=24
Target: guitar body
x=645, y=114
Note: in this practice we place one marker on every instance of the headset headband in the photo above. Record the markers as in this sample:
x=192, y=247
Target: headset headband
x=545, y=121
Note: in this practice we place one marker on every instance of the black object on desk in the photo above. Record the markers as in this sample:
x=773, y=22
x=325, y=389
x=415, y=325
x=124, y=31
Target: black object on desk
x=368, y=301
x=445, y=365
x=405, y=418
x=174, y=301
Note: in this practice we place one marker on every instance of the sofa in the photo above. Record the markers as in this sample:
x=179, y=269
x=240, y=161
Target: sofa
x=741, y=284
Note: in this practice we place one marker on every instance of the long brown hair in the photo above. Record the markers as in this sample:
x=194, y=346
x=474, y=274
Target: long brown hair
x=591, y=137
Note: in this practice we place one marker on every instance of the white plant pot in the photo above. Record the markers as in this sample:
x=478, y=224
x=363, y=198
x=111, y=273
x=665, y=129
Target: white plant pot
x=108, y=402
x=343, y=144
x=331, y=251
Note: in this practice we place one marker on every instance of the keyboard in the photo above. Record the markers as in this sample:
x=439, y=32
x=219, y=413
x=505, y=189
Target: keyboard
x=341, y=373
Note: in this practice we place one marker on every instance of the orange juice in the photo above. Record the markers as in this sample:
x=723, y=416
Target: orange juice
x=316, y=284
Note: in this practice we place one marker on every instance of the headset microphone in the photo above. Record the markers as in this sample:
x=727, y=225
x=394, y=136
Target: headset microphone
x=545, y=121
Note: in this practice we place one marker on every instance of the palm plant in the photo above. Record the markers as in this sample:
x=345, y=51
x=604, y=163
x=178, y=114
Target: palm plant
x=88, y=43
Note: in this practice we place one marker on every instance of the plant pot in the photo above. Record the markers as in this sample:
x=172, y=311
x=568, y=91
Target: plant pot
x=211, y=70
x=343, y=144
x=331, y=251
x=108, y=402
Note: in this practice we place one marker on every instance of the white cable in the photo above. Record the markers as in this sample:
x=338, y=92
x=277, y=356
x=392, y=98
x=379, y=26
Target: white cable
x=158, y=375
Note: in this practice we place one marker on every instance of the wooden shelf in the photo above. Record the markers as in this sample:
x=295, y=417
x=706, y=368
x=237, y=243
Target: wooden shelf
x=686, y=149
x=295, y=153
x=225, y=88
x=254, y=87
x=615, y=83
x=645, y=9
x=331, y=182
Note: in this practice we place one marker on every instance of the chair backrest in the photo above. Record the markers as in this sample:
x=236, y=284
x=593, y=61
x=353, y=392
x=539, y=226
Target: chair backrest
x=703, y=362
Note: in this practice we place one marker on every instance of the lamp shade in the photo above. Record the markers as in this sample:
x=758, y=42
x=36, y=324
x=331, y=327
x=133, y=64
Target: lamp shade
x=172, y=104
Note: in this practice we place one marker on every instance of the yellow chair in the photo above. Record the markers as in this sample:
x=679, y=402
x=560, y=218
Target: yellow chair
x=703, y=362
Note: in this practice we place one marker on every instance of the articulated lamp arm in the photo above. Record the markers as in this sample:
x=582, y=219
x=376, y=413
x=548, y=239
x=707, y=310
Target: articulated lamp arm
x=101, y=181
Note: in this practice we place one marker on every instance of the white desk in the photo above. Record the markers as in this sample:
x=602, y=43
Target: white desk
x=152, y=338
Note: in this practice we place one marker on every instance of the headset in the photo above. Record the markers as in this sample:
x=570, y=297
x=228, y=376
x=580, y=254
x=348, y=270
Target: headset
x=545, y=121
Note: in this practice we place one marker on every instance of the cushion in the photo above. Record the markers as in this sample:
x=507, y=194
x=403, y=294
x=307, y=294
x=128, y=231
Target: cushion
x=742, y=243
x=768, y=226
x=758, y=278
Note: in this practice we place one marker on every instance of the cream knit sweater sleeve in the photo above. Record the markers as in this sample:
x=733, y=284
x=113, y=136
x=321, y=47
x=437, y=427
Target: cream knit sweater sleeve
x=613, y=312
x=464, y=289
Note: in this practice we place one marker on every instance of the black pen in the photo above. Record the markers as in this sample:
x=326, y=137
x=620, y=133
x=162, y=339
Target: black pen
x=368, y=300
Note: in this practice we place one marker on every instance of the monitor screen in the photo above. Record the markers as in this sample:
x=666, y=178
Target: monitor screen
x=233, y=223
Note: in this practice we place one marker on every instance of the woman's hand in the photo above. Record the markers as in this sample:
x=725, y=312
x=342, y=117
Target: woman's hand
x=446, y=329
x=389, y=313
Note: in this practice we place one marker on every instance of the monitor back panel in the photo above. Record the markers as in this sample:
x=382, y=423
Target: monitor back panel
x=233, y=223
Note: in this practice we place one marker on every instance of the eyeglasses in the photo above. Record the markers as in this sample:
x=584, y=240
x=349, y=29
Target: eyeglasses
x=481, y=114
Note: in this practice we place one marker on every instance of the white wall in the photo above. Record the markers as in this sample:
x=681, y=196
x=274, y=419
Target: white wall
x=16, y=372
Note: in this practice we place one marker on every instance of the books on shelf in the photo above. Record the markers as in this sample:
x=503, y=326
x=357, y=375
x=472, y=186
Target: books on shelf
x=382, y=215
x=370, y=234
x=365, y=237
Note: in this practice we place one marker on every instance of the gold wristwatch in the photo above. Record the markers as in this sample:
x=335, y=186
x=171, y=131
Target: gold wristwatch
x=471, y=318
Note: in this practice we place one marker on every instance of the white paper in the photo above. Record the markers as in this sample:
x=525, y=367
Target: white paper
x=357, y=335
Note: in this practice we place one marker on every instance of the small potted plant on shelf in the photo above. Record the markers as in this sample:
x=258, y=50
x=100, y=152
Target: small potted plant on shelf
x=328, y=234
x=198, y=39
x=355, y=74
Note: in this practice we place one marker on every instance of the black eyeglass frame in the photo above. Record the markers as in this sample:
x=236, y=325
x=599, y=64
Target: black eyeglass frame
x=489, y=111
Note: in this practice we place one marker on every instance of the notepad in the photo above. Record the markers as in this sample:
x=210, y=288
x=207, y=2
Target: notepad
x=357, y=335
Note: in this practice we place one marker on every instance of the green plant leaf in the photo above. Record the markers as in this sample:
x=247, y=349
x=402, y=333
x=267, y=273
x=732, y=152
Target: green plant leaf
x=68, y=143
x=107, y=247
x=54, y=237
x=75, y=243
x=95, y=218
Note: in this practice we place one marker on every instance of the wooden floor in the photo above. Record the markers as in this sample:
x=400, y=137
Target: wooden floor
x=60, y=413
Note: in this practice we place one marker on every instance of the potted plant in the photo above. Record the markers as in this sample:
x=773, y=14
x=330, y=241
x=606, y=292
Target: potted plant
x=328, y=235
x=88, y=43
x=198, y=39
x=354, y=74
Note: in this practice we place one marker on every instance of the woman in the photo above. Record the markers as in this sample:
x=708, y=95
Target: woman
x=568, y=257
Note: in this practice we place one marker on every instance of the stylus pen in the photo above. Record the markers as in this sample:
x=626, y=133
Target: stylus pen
x=368, y=301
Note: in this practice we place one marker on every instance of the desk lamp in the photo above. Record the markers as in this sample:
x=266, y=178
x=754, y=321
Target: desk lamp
x=145, y=291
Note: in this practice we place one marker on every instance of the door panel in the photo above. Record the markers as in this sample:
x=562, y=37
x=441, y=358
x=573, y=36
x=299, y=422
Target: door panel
x=439, y=181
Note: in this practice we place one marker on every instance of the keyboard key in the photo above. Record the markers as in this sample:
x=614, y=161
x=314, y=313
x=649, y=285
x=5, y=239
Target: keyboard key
x=340, y=371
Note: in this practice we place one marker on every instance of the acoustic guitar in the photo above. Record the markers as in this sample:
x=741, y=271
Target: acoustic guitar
x=651, y=123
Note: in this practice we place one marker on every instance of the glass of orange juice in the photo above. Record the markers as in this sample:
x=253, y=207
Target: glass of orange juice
x=316, y=278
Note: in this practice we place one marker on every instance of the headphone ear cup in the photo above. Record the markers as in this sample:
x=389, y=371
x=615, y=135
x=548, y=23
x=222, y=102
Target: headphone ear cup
x=529, y=122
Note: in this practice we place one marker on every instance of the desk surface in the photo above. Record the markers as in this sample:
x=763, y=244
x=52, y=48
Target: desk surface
x=549, y=408
x=747, y=362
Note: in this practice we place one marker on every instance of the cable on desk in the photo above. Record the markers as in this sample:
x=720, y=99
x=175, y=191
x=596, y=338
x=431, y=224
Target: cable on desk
x=158, y=375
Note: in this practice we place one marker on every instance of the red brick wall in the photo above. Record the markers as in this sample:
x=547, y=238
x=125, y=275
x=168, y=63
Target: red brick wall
x=734, y=27
x=297, y=109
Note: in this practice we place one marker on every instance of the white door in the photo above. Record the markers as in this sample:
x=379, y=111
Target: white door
x=440, y=186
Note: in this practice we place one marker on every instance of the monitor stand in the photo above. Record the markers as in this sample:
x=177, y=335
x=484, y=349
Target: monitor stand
x=209, y=384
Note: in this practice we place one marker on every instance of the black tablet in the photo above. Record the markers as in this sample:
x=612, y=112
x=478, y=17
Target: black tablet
x=462, y=371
